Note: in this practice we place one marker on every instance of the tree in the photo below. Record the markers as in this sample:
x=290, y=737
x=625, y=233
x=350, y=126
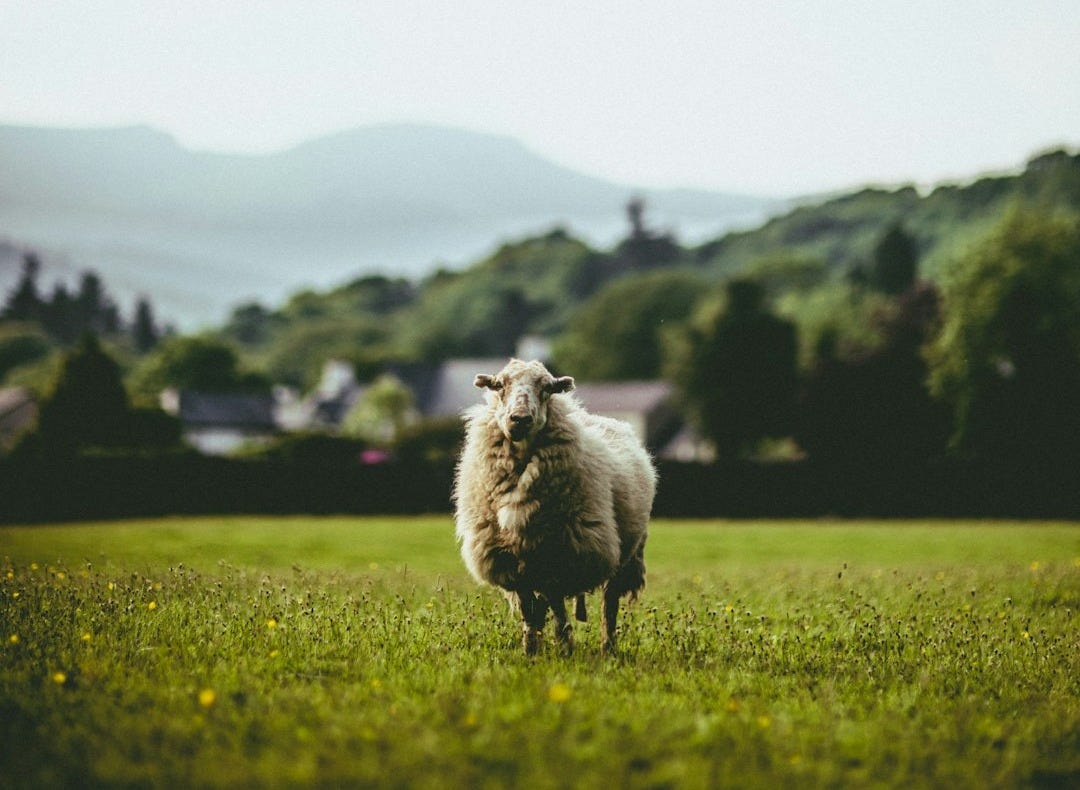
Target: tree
x=193, y=363
x=873, y=409
x=1007, y=358
x=617, y=333
x=382, y=413
x=24, y=302
x=896, y=259
x=60, y=319
x=87, y=405
x=643, y=249
x=144, y=331
x=250, y=324
x=21, y=344
x=736, y=371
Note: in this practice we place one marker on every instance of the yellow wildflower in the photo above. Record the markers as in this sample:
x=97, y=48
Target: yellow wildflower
x=14, y=639
x=59, y=678
x=207, y=698
x=559, y=692
x=86, y=637
x=152, y=605
x=271, y=623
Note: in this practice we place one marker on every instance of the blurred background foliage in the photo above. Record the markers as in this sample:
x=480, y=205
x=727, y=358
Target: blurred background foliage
x=919, y=323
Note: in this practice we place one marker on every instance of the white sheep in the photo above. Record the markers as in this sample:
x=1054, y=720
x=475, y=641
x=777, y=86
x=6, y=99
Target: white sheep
x=552, y=502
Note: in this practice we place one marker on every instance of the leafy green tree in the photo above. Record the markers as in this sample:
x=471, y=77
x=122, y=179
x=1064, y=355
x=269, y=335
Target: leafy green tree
x=736, y=371
x=873, y=409
x=21, y=344
x=836, y=318
x=193, y=363
x=1007, y=358
x=616, y=335
x=383, y=412
x=87, y=405
x=250, y=324
x=896, y=261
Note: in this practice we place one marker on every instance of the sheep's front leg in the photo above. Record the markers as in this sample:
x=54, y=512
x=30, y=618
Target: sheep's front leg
x=533, y=615
x=564, y=632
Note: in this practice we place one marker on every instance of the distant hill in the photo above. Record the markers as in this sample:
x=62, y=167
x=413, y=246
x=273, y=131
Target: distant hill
x=841, y=231
x=200, y=232
x=535, y=285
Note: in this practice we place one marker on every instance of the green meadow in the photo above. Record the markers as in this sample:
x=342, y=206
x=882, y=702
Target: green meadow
x=239, y=652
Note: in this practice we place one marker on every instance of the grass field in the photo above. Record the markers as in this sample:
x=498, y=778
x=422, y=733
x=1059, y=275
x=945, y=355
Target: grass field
x=341, y=651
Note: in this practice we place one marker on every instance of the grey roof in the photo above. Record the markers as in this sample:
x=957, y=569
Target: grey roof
x=639, y=397
x=237, y=410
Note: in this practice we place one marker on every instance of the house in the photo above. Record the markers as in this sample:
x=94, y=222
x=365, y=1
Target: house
x=18, y=413
x=325, y=408
x=446, y=390
x=219, y=423
x=646, y=405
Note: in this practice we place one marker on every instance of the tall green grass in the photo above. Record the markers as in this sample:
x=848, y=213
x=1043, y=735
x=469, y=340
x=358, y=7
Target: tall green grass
x=247, y=651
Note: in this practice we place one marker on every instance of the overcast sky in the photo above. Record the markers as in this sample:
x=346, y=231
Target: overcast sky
x=761, y=97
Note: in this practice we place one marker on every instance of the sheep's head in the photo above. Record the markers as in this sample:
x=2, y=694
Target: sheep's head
x=519, y=394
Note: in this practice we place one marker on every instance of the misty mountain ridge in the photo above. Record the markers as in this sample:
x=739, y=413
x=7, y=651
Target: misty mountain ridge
x=200, y=232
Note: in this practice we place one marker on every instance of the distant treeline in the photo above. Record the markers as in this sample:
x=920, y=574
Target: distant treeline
x=934, y=338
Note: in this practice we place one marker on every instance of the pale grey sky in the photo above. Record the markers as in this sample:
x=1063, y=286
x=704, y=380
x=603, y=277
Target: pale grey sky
x=763, y=97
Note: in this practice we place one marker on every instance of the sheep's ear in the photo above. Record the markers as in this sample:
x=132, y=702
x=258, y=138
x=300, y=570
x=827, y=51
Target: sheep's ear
x=562, y=384
x=484, y=381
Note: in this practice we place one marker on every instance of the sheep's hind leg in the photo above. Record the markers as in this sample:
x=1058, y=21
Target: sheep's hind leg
x=610, y=617
x=564, y=632
x=534, y=615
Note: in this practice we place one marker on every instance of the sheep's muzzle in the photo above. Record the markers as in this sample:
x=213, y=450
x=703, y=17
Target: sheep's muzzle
x=520, y=425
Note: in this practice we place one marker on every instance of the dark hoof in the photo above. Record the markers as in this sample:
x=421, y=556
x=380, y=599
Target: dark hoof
x=531, y=641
